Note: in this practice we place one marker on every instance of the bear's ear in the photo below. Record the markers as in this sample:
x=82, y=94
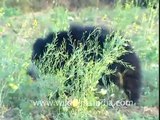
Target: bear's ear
x=50, y=37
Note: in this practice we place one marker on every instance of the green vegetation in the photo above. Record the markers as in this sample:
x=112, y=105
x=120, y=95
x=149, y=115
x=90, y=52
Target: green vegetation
x=23, y=98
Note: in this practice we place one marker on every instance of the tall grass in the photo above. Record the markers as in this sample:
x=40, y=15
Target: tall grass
x=19, y=91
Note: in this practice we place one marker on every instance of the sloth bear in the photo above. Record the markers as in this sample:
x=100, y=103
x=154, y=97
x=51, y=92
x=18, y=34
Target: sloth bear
x=77, y=35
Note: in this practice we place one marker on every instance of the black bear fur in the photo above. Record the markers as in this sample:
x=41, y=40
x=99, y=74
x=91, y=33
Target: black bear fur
x=79, y=34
